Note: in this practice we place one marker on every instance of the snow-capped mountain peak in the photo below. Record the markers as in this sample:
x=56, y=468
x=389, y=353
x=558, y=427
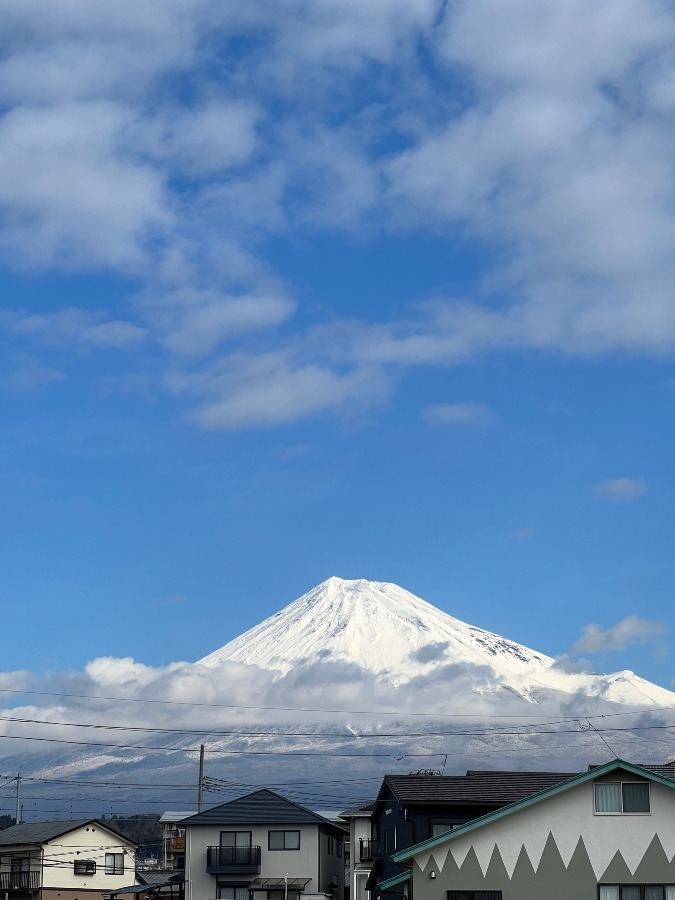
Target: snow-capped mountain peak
x=385, y=630
x=376, y=625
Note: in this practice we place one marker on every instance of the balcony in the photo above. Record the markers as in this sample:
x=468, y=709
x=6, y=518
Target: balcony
x=369, y=850
x=233, y=860
x=20, y=881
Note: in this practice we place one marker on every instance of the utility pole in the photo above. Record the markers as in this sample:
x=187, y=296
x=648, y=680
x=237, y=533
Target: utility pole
x=17, y=816
x=200, y=785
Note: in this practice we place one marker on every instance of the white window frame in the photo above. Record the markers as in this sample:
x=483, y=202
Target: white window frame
x=620, y=812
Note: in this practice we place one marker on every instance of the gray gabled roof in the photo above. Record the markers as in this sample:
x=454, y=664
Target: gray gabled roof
x=262, y=807
x=41, y=832
x=407, y=854
x=474, y=787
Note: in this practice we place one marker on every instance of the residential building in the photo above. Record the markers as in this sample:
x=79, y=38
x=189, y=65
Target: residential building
x=606, y=834
x=263, y=847
x=173, y=839
x=362, y=849
x=58, y=860
x=412, y=808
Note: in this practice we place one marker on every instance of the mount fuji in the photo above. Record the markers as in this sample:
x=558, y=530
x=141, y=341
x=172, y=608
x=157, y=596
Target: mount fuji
x=400, y=638
x=352, y=680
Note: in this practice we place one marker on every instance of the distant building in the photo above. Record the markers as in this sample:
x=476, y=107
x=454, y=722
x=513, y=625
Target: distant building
x=173, y=839
x=362, y=849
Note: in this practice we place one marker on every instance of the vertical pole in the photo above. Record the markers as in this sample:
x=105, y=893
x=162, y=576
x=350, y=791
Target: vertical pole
x=17, y=816
x=200, y=787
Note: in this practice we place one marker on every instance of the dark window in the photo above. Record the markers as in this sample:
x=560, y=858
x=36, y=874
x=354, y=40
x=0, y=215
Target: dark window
x=474, y=895
x=339, y=848
x=331, y=845
x=232, y=892
x=636, y=892
x=283, y=895
x=235, y=838
x=622, y=797
x=283, y=840
x=114, y=864
x=84, y=867
x=19, y=873
x=441, y=827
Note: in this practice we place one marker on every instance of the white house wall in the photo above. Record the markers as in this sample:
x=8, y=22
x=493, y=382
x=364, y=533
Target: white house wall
x=90, y=842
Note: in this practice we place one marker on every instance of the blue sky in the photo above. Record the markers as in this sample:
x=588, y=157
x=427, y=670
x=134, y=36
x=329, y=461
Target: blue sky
x=294, y=289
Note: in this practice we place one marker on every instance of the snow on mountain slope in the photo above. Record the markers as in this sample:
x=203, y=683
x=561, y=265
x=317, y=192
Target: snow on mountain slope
x=390, y=632
x=378, y=626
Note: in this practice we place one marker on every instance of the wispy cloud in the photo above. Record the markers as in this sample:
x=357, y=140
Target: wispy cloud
x=620, y=489
x=629, y=630
x=458, y=414
x=524, y=534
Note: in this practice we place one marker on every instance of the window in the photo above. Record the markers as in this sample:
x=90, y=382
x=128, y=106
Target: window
x=283, y=840
x=331, y=845
x=114, y=864
x=235, y=838
x=232, y=892
x=636, y=891
x=624, y=797
x=84, y=867
x=389, y=840
x=279, y=895
x=19, y=873
x=474, y=895
x=441, y=827
x=339, y=848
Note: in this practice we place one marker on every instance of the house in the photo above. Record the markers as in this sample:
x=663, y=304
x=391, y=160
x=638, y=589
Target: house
x=606, y=834
x=65, y=859
x=263, y=847
x=173, y=839
x=412, y=808
x=361, y=849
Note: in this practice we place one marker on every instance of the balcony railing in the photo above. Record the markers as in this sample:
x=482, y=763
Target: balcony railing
x=19, y=881
x=220, y=860
x=369, y=850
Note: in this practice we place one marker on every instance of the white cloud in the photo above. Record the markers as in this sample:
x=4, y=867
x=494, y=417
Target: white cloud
x=29, y=377
x=627, y=631
x=71, y=197
x=458, y=414
x=193, y=322
x=620, y=489
x=75, y=326
x=142, y=139
x=276, y=388
x=561, y=160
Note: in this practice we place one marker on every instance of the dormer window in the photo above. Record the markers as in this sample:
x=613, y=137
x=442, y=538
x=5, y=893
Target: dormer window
x=625, y=797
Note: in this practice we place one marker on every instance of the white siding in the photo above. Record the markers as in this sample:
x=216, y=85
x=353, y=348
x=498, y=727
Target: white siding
x=90, y=842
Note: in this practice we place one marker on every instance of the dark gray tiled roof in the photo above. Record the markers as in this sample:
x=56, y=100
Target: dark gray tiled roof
x=263, y=807
x=40, y=832
x=474, y=787
x=156, y=877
